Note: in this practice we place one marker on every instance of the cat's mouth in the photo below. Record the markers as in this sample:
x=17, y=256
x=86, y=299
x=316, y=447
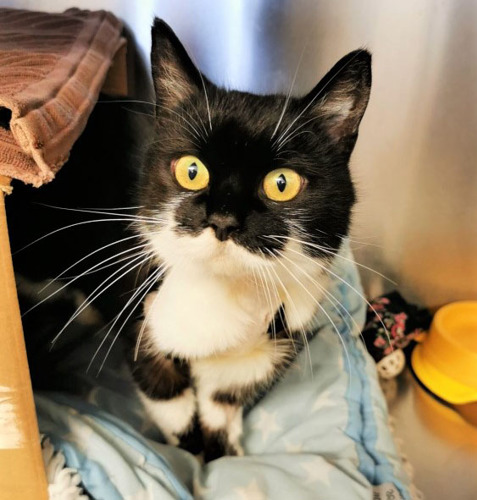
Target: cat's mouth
x=226, y=256
x=223, y=256
x=219, y=245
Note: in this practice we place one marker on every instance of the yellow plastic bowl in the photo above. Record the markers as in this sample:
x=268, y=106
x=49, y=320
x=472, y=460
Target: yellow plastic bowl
x=446, y=361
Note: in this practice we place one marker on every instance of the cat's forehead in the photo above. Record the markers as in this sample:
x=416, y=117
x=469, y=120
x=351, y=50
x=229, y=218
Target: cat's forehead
x=257, y=113
x=234, y=145
x=248, y=113
x=241, y=127
x=233, y=135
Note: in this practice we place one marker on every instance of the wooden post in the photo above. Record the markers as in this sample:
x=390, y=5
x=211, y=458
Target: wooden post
x=22, y=473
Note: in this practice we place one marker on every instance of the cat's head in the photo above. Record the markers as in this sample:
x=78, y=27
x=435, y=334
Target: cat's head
x=233, y=178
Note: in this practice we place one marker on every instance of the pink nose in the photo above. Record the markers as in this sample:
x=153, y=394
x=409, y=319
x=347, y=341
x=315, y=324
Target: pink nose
x=223, y=225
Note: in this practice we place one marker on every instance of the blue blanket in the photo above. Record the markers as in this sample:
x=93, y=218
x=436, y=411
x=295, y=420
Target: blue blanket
x=320, y=433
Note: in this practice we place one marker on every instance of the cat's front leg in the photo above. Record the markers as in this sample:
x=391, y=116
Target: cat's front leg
x=226, y=382
x=221, y=424
x=219, y=409
x=165, y=389
x=167, y=394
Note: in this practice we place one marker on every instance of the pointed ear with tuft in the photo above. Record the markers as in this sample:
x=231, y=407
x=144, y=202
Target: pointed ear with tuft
x=174, y=74
x=341, y=97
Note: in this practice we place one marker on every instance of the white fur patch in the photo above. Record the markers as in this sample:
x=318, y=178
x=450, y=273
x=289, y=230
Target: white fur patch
x=212, y=414
x=217, y=295
x=252, y=363
x=173, y=416
x=249, y=364
x=219, y=416
x=302, y=281
x=235, y=429
x=197, y=314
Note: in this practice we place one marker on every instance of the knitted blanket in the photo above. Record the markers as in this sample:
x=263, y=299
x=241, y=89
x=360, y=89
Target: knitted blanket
x=52, y=68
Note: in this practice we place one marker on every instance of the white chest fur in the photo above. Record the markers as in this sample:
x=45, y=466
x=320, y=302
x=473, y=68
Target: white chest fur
x=211, y=301
x=197, y=313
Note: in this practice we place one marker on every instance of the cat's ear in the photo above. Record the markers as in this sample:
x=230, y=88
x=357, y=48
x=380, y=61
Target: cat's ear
x=174, y=74
x=341, y=97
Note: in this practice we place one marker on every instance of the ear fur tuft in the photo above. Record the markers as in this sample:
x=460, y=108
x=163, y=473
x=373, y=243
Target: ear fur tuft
x=174, y=74
x=342, y=95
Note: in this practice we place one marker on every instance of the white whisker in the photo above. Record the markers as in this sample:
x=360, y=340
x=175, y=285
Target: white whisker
x=87, y=256
x=315, y=301
x=76, y=278
x=279, y=300
x=95, y=294
x=287, y=99
x=206, y=101
x=268, y=296
x=188, y=130
x=332, y=253
x=350, y=286
x=132, y=217
x=295, y=134
x=143, y=329
x=103, y=267
x=292, y=303
x=111, y=209
x=113, y=322
x=94, y=221
x=193, y=129
x=200, y=122
x=145, y=289
x=325, y=85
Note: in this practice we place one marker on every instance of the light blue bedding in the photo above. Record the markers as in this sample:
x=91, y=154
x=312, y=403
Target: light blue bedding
x=320, y=433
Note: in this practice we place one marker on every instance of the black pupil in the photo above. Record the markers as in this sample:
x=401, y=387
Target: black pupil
x=192, y=171
x=281, y=183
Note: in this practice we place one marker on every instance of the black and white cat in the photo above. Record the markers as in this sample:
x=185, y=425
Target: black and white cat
x=245, y=202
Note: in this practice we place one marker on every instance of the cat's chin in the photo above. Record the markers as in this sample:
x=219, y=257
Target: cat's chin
x=226, y=258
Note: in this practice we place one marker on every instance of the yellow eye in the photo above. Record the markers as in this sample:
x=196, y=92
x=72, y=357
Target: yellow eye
x=282, y=184
x=191, y=173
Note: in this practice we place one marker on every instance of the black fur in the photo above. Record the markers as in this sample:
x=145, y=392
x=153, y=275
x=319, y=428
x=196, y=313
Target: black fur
x=216, y=445
x=277, y=328
x=192, y=440
x=159, y=377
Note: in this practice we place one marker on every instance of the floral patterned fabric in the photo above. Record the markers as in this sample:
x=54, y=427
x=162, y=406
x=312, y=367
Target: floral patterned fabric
x=392, y=323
